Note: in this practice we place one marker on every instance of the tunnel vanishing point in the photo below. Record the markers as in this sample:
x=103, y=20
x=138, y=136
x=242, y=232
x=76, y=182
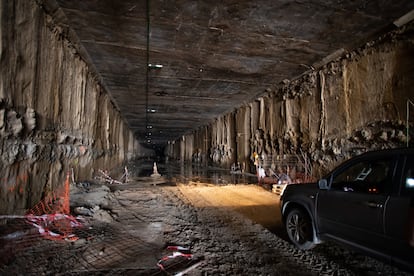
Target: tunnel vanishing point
x=88, y=85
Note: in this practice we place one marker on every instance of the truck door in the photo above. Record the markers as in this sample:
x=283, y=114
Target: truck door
x=399, y=214
x=353, y=208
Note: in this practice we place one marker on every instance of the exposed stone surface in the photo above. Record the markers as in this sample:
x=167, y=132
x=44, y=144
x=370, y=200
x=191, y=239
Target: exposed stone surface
x=215, y=56
x=60, y=101
x=353, y=104
x=54, y=114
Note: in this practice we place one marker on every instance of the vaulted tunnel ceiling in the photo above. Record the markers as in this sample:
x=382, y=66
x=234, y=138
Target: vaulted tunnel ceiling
x=209, y=57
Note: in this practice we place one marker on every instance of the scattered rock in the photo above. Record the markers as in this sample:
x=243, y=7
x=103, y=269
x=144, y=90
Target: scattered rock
x=102, y=216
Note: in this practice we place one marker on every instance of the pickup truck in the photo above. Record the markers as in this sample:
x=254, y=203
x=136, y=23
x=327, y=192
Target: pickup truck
x=366, y=203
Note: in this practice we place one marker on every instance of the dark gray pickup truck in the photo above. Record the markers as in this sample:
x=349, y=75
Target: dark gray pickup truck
x=366, y=203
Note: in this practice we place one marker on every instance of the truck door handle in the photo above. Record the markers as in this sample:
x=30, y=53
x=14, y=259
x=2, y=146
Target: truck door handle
x=373, y=204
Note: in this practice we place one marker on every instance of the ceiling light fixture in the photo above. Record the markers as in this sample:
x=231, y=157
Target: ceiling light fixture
x=155, y=66
x=147, y=70
x=404, y=19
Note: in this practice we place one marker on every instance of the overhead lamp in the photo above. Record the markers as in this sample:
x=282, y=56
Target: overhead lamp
x=404, y=19
x=149, y=126
x=155, y=66
x=151, y=110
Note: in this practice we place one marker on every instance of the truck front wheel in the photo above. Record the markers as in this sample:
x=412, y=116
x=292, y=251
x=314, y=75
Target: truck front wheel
x=299, y=229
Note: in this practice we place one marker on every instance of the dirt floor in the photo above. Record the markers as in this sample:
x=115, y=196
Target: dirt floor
x=244, y=223
x=174, y=229
x=252, y=201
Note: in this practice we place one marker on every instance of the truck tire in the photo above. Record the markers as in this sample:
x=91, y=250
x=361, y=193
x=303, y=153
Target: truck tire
x=299, y=228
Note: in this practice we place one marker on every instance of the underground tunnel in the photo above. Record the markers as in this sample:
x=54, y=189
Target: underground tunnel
x=158, y=137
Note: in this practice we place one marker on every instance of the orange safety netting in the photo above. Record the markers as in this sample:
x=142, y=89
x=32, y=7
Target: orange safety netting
x=57, y=202
x=51, y=216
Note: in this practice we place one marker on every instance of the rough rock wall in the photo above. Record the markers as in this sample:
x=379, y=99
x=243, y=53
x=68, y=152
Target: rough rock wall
x=353, y=104
x=54, y=115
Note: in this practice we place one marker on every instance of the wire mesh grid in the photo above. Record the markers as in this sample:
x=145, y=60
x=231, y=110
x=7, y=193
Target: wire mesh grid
x=48, y=240
x=102, y=248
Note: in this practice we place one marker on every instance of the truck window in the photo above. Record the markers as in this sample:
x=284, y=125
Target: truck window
x=368, y=176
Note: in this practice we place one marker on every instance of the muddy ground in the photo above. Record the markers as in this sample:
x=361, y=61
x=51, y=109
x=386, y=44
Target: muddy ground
x=171, y=228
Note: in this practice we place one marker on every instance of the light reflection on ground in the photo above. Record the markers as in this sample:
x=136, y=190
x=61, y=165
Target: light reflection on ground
x=185, y=173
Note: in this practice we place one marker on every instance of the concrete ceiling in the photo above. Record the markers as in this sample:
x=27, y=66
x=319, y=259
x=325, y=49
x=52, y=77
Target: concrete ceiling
x=209, y=57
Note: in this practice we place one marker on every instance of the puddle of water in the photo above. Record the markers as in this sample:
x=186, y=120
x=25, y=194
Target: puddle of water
x=186, y=173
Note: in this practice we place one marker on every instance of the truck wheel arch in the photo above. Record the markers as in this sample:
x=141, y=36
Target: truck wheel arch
x=288, y=206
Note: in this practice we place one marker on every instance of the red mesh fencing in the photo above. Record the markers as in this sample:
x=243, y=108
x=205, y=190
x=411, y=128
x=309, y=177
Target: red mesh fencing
x=51, y=216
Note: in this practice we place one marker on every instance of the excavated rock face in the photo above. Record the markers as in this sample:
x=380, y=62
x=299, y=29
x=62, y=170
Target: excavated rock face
x=353, y=104
x=70, y=68
x=54, y=115
x=209, y=57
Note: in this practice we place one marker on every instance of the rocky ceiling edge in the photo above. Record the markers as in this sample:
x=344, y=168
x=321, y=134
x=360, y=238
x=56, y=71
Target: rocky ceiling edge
x=196, y=60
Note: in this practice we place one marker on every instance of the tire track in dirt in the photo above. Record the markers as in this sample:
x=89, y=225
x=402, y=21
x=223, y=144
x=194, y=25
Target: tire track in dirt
x=234, y=244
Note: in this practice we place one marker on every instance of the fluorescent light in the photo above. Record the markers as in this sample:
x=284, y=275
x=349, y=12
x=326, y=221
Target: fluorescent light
x=155, y=66
x=404, y=19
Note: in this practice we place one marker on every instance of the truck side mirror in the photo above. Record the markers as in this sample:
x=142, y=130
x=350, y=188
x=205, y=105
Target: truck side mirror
x=323, y=184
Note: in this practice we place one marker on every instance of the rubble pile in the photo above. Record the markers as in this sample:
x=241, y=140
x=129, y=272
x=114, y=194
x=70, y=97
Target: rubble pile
x=92, y=200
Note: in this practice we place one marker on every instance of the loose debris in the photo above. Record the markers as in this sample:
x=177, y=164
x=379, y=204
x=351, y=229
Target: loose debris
x=106, y=178
x=56, y=226
x=180, y=261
